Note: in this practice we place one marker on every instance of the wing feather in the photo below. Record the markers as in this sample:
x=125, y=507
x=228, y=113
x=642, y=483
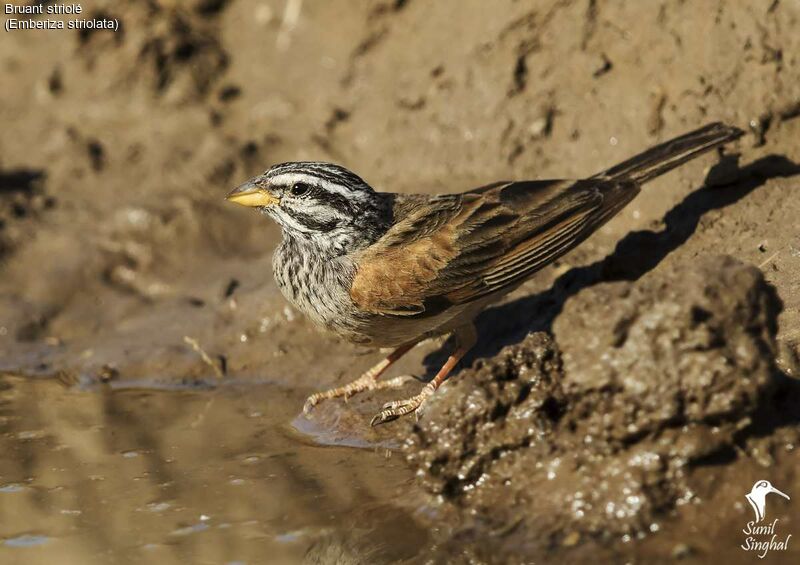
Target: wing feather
x=455, y=249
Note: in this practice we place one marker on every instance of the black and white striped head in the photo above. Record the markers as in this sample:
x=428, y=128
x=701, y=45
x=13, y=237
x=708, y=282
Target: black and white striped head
x=320, y=203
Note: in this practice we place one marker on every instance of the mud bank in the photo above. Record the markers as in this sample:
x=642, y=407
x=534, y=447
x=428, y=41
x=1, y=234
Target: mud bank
x=604, y=430
x=122, y=269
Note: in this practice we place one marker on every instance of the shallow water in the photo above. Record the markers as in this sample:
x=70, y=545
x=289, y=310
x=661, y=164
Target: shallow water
x=211, y=476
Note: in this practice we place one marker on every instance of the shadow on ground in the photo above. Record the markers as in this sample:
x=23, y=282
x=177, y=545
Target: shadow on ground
x=634, y=256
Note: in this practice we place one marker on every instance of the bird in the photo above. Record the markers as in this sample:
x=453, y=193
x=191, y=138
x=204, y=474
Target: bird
x=758, y=497
x=390, y=270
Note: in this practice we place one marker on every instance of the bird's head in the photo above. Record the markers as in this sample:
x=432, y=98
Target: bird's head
x=763, y=488
x=321, y=204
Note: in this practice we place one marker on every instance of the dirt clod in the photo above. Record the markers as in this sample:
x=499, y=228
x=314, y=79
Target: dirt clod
x=597, y=432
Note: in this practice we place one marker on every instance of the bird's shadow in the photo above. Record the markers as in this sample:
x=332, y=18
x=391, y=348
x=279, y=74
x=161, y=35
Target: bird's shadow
x=635, y=255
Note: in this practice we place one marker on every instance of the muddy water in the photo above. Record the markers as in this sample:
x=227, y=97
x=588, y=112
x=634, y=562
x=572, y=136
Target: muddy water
x=182, y=476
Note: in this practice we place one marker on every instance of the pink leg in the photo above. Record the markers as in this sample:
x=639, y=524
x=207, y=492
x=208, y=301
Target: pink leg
x=367, y=381
x=466, y=337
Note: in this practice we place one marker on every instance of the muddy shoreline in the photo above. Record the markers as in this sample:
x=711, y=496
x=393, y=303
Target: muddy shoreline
x=652, y=371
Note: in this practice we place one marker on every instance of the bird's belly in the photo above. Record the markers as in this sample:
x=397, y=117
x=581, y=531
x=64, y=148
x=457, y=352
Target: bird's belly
x=393, y=331
x=331, y=311
x=319, y=289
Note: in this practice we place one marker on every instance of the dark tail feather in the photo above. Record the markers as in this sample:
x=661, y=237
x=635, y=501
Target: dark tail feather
x=670, y=154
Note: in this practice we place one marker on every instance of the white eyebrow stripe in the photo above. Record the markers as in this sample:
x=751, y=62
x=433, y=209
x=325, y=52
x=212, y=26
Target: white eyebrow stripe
x=289, y=179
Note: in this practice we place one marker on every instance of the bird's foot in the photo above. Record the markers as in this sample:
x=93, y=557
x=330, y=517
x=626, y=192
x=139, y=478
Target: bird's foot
x=364, y=383
x=396, y=408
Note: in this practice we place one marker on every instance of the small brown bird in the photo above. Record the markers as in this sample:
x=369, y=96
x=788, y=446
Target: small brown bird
x=391, y=270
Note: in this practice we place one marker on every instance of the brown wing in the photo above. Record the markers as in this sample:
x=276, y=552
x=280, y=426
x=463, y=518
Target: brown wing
x=454, y=249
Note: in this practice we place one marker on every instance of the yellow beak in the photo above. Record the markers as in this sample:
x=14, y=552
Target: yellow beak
x=249, y=194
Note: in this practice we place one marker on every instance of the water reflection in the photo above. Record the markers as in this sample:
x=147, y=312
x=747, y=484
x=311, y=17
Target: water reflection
x=186, y=477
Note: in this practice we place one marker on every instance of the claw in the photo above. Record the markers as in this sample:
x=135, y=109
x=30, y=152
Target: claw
x=396, y=408
x=367, y=381
x=311, y=401
x=382, y=418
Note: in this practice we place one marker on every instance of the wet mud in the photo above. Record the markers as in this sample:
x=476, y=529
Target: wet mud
x=605, y=430
x=618, y=406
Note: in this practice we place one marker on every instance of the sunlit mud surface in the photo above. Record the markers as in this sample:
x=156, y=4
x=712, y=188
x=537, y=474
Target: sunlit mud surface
x=131, y=476
x=600, y=419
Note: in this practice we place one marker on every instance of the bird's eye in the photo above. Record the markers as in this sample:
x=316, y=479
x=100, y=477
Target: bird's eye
x=299, y=189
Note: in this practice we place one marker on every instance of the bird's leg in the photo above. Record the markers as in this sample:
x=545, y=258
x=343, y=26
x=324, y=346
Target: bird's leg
x=367, y=381
x=466, y=337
